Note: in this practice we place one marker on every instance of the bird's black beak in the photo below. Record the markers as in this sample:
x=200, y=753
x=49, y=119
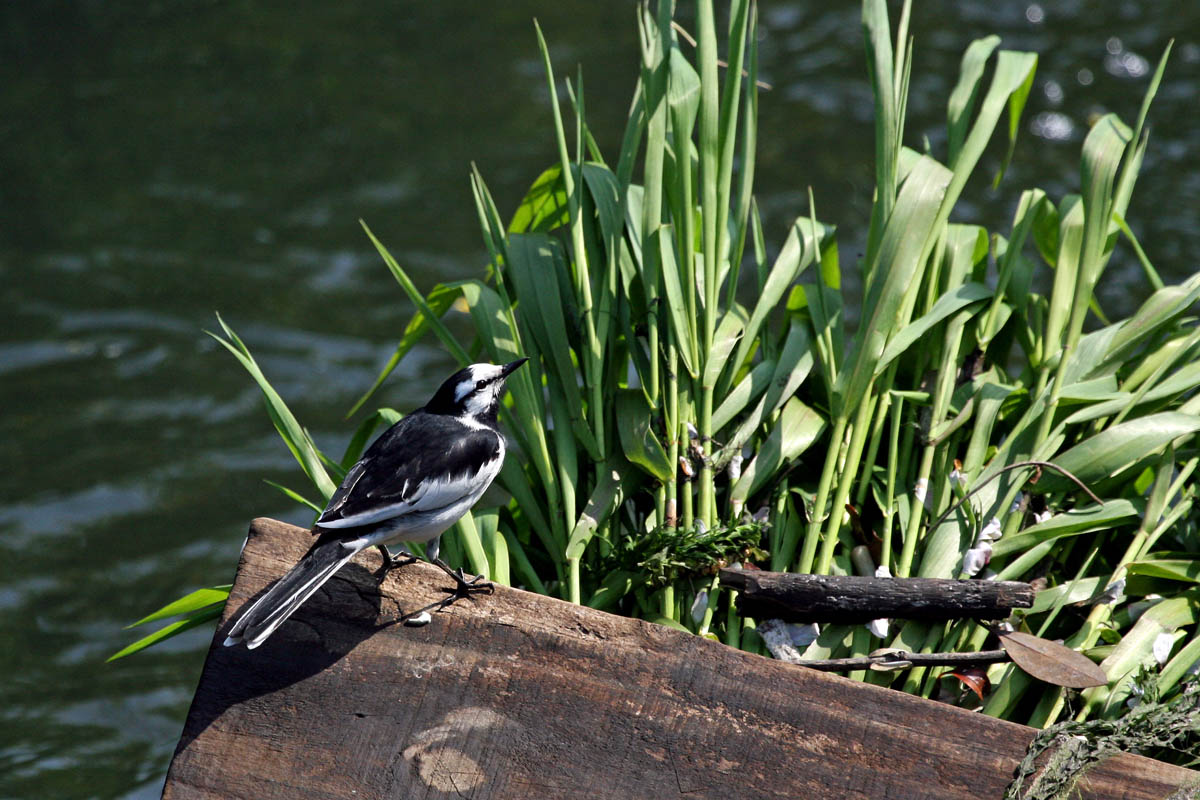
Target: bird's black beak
x=511, y=366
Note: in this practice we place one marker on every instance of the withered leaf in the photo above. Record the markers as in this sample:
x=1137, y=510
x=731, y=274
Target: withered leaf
x=1052, y=662
x=974, y=678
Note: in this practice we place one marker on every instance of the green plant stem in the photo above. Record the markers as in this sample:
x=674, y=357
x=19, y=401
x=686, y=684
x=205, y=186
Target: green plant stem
x=812, y=535
x=711, y=215
x=889, y=510
x=573, y=593
x=714, y=597
x=858, y=436
x=671, y=517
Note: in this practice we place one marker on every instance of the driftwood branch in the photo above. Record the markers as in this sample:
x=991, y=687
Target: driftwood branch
x=850, y=599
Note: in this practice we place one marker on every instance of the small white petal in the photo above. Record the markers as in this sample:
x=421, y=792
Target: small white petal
x=735, y=467
x=921, y=490
x=976, y=559
x=878, y=627
x=992, y=531
x=699, y=606
x=1163, y=644
x=1042, y=516
x=883, y=571
x=420, y=619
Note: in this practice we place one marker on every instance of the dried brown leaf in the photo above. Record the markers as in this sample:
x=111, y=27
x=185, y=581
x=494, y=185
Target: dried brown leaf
x=1052, y=662
x=974, y=678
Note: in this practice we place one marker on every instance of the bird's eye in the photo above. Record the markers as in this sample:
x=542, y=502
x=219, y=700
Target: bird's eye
x=480, y=384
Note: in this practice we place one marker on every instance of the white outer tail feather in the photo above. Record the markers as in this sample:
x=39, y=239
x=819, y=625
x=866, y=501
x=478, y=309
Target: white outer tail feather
x=286, y=606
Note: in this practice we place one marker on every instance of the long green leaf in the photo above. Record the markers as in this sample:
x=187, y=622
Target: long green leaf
x=952, y=301
x=962, y=99
x=417, y=299
x=189, y=603
x=290, y=430
x=193, y=620
x=600, y=505
x=803, y=241
x=903, y=247
x=1117, y=448
x=468, y=537
x=1071, y=523
x=798, y=427
x=640, y=444
x=544, y=206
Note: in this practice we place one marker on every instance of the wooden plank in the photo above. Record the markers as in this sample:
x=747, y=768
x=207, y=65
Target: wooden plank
x=849, y=599
x=517, y=695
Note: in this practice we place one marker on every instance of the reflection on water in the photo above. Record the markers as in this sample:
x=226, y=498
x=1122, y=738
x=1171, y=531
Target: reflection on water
x=158, y=164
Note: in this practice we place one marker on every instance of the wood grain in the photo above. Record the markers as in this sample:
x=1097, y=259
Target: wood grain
x=517, y=695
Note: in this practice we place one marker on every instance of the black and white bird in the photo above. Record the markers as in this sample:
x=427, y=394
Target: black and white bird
x=415, y=481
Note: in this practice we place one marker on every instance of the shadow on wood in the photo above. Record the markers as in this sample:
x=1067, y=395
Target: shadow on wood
x=516, y=695
x=309, y=646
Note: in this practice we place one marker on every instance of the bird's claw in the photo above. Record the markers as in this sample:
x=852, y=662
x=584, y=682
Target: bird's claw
x=467, y=588
x=391, y=562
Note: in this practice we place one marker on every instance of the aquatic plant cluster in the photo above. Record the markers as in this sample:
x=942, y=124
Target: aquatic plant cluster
x=691, y=402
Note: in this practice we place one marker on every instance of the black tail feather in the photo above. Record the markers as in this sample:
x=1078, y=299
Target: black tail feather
x=270, y=611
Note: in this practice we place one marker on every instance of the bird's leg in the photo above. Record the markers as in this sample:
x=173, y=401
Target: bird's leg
x=391, y=562
x=463, y=587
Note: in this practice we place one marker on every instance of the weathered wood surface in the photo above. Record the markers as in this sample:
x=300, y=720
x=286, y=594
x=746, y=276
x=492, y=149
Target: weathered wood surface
x=850, y=599
x=516, y=695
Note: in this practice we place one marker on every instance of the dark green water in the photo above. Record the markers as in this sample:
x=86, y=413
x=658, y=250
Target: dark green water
x=162, y=161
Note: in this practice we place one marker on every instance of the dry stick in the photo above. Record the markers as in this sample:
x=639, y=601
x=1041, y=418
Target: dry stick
x=687, y=37
x=1001, y=471
x=849, y=599
x=898, y=659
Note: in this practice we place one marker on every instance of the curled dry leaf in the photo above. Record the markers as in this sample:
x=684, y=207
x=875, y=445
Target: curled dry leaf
x=974, y=678
x=1052, y=662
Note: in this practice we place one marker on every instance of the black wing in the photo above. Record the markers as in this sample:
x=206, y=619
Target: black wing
x=424, y=461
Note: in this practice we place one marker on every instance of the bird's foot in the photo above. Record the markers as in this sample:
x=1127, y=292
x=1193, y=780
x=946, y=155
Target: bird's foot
x=463, y=587
x=391, y=562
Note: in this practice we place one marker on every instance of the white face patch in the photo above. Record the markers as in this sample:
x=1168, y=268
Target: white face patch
x=481, y=401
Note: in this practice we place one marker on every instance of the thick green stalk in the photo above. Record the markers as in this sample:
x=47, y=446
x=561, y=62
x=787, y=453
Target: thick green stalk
x=672, y=427
x=749, y=142
x=858, y=437
x=881, y=415
x=654, y=79
x=593, y=362
x=813, y=535
x=912, y=533
x=727, y=135
x=714, y=597
x=710, y=216
x=889, y=510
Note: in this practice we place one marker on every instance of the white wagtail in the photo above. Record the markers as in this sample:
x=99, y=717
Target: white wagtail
x=415, y=481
